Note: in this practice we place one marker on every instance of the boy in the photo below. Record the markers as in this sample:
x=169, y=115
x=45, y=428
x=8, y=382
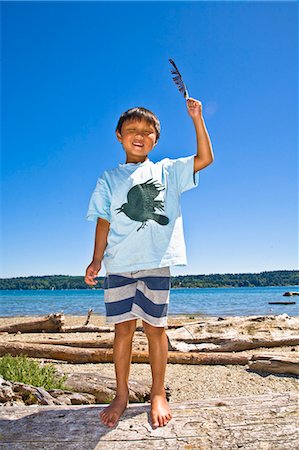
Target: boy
x=139, y=235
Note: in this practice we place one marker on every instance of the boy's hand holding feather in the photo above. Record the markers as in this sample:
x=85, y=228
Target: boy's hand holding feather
x=194, y=108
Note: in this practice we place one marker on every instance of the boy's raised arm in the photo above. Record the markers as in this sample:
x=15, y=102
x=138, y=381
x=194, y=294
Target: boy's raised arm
x=205, y=154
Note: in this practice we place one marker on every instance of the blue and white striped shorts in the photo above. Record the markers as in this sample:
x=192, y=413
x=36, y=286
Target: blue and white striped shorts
x=141, y=294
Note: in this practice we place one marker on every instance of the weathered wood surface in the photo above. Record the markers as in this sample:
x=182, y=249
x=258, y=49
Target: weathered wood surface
x=274, y=364
x=104, y=388
x=87, y=355
x=53, y=323
x=265, y=422
x=236, y=334
x=229, y=345
x=50, y=323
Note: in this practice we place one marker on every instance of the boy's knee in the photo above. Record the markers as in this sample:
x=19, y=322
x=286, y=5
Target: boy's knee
x=125, y=328
x=150, y=330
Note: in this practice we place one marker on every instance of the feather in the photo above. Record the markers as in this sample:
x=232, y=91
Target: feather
x=179, y=80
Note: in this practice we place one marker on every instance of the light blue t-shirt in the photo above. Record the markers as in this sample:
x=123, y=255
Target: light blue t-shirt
x=142, y=203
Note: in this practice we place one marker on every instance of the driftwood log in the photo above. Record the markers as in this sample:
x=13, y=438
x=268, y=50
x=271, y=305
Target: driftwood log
x=79, y=355
x=236, y=334
x=274, y=364
x=104, y=388
x=96, y=343
x=51, y=323
x=251, y=423
x=215, y=344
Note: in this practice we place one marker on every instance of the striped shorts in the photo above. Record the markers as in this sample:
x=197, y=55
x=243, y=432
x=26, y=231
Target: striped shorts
x=141, y=294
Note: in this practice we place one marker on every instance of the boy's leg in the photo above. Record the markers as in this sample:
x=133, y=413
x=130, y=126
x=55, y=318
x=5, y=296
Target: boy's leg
x=158, y=352
x=122, y=354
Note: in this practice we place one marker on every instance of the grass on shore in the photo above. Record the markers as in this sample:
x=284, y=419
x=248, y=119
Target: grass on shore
x=26, y=370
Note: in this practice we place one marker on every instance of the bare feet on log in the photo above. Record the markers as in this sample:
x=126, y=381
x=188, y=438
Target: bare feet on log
x=160, y=411
x=111, y=414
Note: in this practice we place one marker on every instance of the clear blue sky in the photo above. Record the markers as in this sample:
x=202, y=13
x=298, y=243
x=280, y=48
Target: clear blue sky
x=69, y=69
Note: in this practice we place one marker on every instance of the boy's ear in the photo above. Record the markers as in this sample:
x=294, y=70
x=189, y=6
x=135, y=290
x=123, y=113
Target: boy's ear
x=118, y=135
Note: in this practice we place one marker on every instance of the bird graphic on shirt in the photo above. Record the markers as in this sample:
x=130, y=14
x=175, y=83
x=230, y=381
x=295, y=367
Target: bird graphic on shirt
x=141, y=203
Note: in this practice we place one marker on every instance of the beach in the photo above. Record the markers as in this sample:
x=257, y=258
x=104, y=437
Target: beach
x=186, y=381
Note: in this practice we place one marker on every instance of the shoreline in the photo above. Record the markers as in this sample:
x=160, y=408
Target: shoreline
x=189, y=316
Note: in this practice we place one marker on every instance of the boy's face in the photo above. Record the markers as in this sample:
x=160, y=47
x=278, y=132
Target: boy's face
x=138, y=137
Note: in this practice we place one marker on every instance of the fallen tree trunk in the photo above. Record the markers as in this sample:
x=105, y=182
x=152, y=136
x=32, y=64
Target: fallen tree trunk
x=274, y=364
x=103, y=388
x=99, y=343
x=78, y=355
x=217, y=344
x=50, y=323
x=236, y=334
x=256, y=422
x=53, y=323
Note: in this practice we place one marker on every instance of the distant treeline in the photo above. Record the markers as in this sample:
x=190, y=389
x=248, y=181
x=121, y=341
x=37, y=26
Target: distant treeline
x=274, y=278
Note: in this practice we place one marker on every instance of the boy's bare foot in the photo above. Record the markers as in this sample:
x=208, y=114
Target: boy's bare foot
x=160, y=411
x=111, y=414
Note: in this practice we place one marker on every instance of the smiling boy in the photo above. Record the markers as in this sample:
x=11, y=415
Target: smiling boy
x=139, y=236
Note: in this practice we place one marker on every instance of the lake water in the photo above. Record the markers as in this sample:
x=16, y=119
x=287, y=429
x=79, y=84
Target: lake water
x=203, y=301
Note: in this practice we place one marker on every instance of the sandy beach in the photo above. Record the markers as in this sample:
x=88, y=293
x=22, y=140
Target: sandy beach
x=186, y=382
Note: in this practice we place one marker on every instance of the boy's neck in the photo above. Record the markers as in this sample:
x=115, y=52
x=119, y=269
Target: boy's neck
x=130, y=161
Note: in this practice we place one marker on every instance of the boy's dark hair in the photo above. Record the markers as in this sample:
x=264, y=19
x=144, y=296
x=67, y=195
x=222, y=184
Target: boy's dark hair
x=139, y=113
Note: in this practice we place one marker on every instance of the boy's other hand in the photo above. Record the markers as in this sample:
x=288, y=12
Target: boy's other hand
x=194, y=107
x=91, y=272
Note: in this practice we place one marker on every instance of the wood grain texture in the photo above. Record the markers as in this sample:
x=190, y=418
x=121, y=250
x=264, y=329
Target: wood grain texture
x=252, y=423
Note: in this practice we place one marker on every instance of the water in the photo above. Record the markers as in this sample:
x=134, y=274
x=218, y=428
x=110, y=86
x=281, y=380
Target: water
x=203, y=301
